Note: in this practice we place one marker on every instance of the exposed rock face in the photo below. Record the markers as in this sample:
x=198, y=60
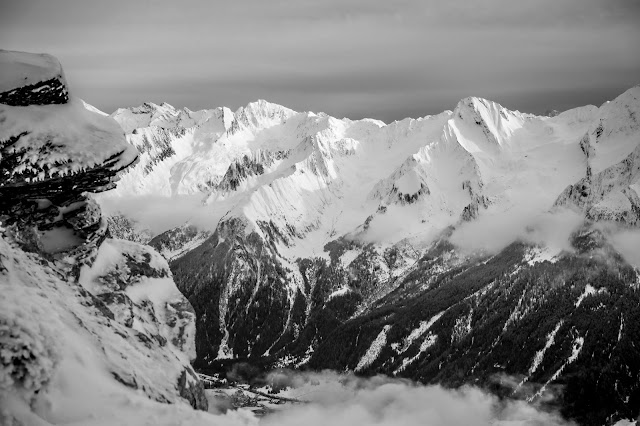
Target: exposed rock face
x=192, y=389
x=48, y=92
x=65, y=285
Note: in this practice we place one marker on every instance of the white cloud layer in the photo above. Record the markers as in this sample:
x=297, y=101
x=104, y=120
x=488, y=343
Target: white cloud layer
x=494, y=231
x=346, y=400
x=159, y=214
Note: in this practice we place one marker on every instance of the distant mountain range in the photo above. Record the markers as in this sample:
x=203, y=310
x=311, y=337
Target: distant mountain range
x=480, y=245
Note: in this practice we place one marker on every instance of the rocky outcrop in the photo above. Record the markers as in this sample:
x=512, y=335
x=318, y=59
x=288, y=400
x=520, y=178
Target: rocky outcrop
x=52, y=91
x=258, y=114
x=134, y=282
x=51, y=154
x=191, y=388
x=74, y=301
x=478, y=201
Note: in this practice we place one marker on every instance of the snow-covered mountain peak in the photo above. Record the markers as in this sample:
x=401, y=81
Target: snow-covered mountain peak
x=610, y=187
x=576, y=115
x=260, y=114
x=264, y=107
x=610, y=135
x=484, y=107
x=151, y=108
x=621, y=115
x=164, y=116
x=140, y=116
x=497, y=123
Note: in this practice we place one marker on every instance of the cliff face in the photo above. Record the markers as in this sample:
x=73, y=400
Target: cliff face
x=81, y=314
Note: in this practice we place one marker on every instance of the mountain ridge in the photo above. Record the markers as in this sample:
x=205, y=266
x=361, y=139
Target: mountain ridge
x=319, y=242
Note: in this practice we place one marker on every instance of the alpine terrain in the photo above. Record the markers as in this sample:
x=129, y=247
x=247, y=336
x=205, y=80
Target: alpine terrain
x=478, y=246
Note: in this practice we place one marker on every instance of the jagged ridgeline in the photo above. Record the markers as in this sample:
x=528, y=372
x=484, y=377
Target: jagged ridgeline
x=480, y=245
x=90, y=327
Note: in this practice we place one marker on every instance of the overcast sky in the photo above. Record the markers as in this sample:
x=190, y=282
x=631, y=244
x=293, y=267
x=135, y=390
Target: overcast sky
x=354, y=58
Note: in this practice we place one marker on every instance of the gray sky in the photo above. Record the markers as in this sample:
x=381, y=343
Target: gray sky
x=356, y=58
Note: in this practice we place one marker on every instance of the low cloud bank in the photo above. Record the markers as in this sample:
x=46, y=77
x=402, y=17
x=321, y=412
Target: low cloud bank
x=491, y=232
x=159, y=214
x=494, y=231
x=346, y=400
x=627, y=243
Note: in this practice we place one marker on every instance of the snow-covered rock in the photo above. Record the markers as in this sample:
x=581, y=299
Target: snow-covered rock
x=31, y=79
x=85, y=322
x=52, y=152
x=66, y=331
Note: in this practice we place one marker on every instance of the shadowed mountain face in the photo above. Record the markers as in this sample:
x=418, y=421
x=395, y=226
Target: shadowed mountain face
x=480, y=245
